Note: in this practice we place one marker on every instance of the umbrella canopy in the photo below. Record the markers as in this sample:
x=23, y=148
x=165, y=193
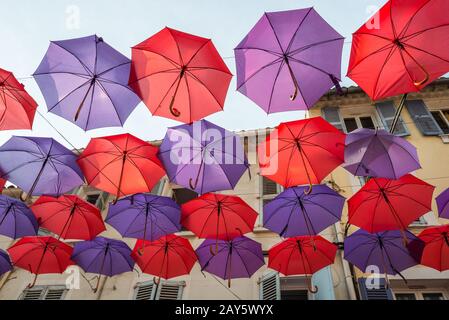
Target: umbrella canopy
x=238, y=258
x=288, y=60
x=383, y=204
x=193, y=153
x=16, y=219
x=145, y=216
x=443, y=204
x=39, y=165
x=179, y=76
x=5, y=262
x=168, y=257
x=436, y=250
x=17, y=107
x=218, y=216
x=405, y=52
x=121, y=164
x=85, y=81
x=295, y=213
x=378, y=153
x=69, y=216
x=301, y=152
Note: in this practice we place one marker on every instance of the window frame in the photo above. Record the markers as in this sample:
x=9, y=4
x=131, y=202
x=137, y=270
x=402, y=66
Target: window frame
x=373, y=117
x=419, y=293
x=263, y=197
x=443, y=117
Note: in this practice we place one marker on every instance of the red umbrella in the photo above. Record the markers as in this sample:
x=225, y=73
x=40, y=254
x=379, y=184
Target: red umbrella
x=69, y=216
x=179, y=76
x=41, y=255
x=301, y=152
x=17, y=107
x=121, y=164
x=436, y=249
x=302, y=255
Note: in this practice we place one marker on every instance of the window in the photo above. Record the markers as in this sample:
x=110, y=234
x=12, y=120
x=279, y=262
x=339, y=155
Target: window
x=442, y=119
x=272, y=287
x=268, y=191
x=354, y=123
x=419, y=222
x=350, y=124
x=44, y=293
x=419, y=295
x=405, y=296
x=166, y=290
x=93, y=198
x=159, y=187
x=433, y=296
x=182, y=195
x=98, y=199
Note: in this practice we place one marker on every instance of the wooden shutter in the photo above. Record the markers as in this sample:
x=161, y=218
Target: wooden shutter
x=270, y=287
x=386, y=111
x=55, y=293
x=145, y=291
x=32, y=293
x=269, y=187
x=423, y=118
x=381, y=293
x=170, y=290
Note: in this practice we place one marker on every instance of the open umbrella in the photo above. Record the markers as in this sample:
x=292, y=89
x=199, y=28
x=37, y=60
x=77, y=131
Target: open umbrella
x=302, y=255
x=193, y=153
x=378, y=153
x=237, y=258
x=5, y=262
x=179, y=76
x=295, y=213
x=103, y=256
x=39, y=166
x=436, y=250
x=17, y=107
x=41, y=255
x=121, y=164
x=289, y=60
x=68, y=216
x=443, y=204
x=301, y=152
x=85, y=81
x=16, y=219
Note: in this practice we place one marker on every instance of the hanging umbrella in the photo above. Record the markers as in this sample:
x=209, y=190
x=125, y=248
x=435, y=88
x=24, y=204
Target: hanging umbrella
x=302, y=255
x=5, y=263
x=2, y=184
x=301, y=152
x=237, y=258
x=16, y=219
x=383, y=204
x=436, y=251
x=85, y=81
x=121, y=164
x=443, y=204
x=103, y=256
x=39, y=166
x=380, y=154
x=68, y=216
x=295, y=213
x=385, y=250
x=404, y=53
x=145, y=216
x=41, y=255
x=289, y=60
x=17, y=107
x=179, y=76
x=194, y=153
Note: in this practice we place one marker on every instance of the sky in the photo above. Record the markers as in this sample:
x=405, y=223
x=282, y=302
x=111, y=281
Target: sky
x=27, y=26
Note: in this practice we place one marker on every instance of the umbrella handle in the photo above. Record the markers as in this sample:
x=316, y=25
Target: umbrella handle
x=192, y=186
x=212, y=251
x=295, y=83
x=309, y=190
x=295, y=94
x=313, y=289
x=157, y=280
x=98, y=284
x=30, y=285
x=173, y=110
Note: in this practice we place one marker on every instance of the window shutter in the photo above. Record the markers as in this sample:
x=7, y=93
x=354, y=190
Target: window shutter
x=423, y=118
x=322, y=279
x=270, y=287
x=32, y=294
x=55, y=293
x=44, y=293
x=386, y=111
x=269, y=187
x=332, y=115
x=382, y=293
x=145, y=291
x=170, y=290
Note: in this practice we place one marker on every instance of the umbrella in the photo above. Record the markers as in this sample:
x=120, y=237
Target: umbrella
x=289, y=60
x=168, y=257
x=16, y=219
x=237, y=258
x=2, y=184
x=383, y=204
x=295, y=213
x=443, y=204
x=39, y=165
x=41, y=255
x=302, y=255
x=436, y=250
x=17, y=107
x=301, y=152
x=85, y=81
x=194, y=153
x=404, y=53
x=103, y=256
x=5, y=262
x=378, y=153
x=121, y=164
x=68, y=216
x=385, y=250
x=179, y=76
x=145, y=216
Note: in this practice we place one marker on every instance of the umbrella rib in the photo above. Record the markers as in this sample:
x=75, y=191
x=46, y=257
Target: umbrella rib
x=153, y=74
x=406, y=196
x=259, y=70
x=384, y=48
x=390, y=54
x=194, y=77
x=404, y=30
x=302, y=49
x=274, y=85
x=243, y=262
x=297, y=29
x=178, y=78
x=190, y=98
x=277, y=54
x=427, y=52
x=110, y=99
x=199, y=49
x=112, y=68
x=418, y=33
x=212, y=213
x=77, y=58
x=274, y=33
x=174, y=63
x=68, y=94
x=393, y=27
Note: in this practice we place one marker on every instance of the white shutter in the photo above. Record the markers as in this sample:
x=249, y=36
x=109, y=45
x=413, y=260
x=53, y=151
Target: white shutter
x=32, y=294
x=170, y=290
x=270, y=287
x=44, y=293
x=55, y=293
x=145, y=291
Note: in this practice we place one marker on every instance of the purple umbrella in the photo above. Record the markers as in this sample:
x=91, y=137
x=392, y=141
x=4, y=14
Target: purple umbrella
x=443, y=204
x=103, y=256
x=16, y=219
x=203, y=157
x=237, y=258
x=295, y=213
x=145, y=216
x=289, y=60
x=380, y=154
x=39, y=166
x=5, y=262
x=85, y=81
